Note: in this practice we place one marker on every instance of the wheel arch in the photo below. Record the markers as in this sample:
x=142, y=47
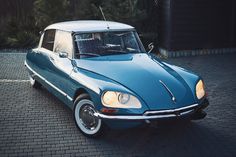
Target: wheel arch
x=79, y=92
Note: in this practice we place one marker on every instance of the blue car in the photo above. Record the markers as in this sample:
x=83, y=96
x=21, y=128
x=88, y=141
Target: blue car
x=101, y=71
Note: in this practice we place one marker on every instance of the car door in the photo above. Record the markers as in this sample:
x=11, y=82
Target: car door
x=61, y=67
x=38, y=59
x=44, y=53
x=45, y=63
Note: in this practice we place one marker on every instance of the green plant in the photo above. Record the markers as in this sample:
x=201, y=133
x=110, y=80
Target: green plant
x=2, y=40
x=50, y=11
x=22, y=39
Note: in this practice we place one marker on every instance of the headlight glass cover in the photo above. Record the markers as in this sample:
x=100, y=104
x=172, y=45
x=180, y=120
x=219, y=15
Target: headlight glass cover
x=120, y=100
x=200, y=91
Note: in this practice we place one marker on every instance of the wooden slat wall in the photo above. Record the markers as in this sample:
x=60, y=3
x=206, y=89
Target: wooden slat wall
x=198, y=24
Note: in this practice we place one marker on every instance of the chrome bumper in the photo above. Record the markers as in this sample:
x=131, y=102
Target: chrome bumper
x=148, y=115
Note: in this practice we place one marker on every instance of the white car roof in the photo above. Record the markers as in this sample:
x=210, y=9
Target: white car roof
x=89, y=26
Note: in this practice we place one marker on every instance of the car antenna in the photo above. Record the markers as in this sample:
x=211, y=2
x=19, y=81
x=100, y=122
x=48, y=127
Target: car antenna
x=104, y=17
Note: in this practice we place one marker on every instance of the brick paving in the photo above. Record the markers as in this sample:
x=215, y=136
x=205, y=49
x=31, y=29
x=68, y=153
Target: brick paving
x=35, y=123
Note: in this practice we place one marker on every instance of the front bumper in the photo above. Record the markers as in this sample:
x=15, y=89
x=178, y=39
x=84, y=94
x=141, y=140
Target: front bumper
x=160, y=114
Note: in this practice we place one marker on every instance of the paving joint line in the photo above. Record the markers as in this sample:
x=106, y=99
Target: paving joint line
x=10, y=80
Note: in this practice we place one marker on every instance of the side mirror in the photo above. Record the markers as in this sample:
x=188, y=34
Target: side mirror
x=150, y=47
x=63, y=54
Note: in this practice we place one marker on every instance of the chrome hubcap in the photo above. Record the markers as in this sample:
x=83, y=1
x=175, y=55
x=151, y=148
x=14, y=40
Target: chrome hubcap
x=87, y=117
x=32, y=81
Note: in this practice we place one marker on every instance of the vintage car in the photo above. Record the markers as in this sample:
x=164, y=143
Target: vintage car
x=101, y=71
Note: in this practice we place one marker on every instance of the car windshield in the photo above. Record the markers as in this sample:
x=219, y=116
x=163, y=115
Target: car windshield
x=106, y=43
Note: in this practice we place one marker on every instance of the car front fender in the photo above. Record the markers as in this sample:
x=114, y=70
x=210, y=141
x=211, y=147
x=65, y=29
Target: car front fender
x=95, y=84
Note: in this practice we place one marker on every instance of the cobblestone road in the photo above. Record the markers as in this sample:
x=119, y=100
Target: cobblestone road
x=35, y=123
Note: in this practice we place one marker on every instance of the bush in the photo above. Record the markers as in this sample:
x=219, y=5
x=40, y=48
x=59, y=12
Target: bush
x=22, y=39
x=21, y=24
x=50, y=11
x=2, y=40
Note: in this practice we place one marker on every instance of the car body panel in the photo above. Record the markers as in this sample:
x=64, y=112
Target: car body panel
x=43, y=71
x=141, y=75
x=90, y=26
x=158, y=86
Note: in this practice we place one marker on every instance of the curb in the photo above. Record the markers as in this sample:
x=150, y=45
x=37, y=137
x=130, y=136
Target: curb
x=200, y=52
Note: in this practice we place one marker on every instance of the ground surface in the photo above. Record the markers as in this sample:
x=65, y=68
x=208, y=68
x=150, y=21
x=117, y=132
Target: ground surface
x=35, y=123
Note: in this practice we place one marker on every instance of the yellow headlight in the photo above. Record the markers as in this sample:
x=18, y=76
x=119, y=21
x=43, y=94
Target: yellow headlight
x=120, y=100
x=109, y=98
x=200, y=91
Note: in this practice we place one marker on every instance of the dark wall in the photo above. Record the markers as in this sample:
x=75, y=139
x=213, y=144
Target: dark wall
x=198, y=24
x=164, y=23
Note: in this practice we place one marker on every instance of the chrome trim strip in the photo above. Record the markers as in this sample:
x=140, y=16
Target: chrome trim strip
x=140, y=117
x=53, y=86
x=146, y=117
x=68, y=97
x=171, y=110
x=171, y=94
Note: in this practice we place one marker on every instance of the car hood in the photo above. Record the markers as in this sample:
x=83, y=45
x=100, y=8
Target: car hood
x=150, y=79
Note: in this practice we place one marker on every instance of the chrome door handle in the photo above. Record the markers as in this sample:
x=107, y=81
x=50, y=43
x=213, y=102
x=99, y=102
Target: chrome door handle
x=51, y=58
x=37, y=52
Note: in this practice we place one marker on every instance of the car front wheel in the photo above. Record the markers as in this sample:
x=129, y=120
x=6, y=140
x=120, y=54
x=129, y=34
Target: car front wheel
x=88, y=124
x=34, y=83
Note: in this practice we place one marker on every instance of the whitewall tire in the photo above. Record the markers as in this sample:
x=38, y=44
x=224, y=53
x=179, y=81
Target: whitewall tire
x=88, y=124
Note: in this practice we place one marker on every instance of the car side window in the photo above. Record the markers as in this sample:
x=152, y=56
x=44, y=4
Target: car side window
x=48, y=39
x=63, y=42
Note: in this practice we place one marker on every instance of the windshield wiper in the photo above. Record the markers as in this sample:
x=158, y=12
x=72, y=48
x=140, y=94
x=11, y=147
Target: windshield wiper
x=118, y=51
x=87, y=54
